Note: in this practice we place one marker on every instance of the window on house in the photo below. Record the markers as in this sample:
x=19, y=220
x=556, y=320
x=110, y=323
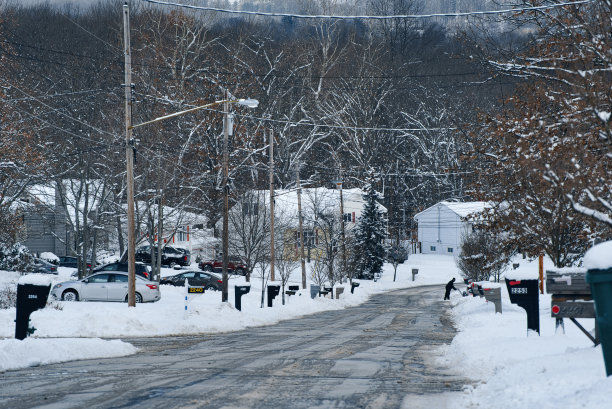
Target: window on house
x=309, y=238
x=450, y=250
x=182, y=235
x=432, y=248
x=348, y=217
x=250, y=209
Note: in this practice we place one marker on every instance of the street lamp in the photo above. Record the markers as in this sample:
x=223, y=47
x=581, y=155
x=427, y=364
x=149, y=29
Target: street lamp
x=249, y=103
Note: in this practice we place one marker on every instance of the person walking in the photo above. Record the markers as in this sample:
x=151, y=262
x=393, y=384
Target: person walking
x=449, y=286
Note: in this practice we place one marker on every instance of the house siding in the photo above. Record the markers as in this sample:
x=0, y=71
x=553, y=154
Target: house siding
x=441, y=228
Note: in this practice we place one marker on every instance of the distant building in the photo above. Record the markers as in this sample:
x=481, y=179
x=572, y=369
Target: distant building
x=317, y=203
x=442, y=226
x=44, y=224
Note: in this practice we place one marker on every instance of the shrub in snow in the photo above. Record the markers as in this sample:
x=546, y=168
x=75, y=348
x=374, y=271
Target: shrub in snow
x=396, y=256
x=482, y=257
x=369, y=254
x=15, y=257
x=8, y=297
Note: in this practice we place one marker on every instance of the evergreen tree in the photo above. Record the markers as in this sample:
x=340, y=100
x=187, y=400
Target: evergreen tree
x=370, y=232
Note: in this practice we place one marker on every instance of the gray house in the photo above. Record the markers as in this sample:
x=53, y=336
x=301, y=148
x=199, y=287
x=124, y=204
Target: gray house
x=45, y=225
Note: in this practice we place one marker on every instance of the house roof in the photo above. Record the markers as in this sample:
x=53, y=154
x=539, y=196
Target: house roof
x=462, y=209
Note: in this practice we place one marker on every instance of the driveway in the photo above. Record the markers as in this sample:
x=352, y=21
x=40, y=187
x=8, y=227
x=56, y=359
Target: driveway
x=376, y=355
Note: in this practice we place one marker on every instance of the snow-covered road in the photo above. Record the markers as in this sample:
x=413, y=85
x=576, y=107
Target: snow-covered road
x=377, y=354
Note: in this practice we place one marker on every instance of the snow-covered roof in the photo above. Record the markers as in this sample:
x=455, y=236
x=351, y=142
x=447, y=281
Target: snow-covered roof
x=462, y=209
x=173, y=217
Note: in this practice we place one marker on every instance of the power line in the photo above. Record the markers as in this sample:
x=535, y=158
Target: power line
x=368, y=17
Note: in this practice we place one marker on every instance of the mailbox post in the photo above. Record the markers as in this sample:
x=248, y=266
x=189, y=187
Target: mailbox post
x=339, y=290
x=30, y=297
x=571, y=298
x=415, y=271
x=525, y=294
x=493, y=295
x=239, y=291
x=353, y=286
x=273, y=291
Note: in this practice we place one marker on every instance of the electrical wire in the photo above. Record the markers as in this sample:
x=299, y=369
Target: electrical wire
x=374, y=17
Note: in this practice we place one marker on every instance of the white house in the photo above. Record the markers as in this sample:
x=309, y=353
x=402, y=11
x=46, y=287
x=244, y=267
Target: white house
x=442, y=226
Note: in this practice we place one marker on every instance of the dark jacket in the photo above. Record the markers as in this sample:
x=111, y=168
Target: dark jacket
x=450, y=285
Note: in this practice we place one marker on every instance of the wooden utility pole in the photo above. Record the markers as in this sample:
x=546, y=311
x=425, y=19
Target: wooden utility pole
x=343, y=234
x=541, y=272
x=301, y=223
x=129, y=156
x=226, y=131
x=272, y=205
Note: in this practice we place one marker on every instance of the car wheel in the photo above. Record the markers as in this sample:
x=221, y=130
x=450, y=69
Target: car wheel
x=137, y=296
x=208, y=267
x=240, y=271
x=70, y=295
x=172, y=264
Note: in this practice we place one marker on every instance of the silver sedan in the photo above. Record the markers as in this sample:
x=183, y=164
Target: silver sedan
x=105, y=286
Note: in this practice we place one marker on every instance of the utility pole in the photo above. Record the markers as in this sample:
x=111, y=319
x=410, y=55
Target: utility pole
x=272, y=205
x=226, y=132
x=300, y=221
x=343, y=234
x=129, y=155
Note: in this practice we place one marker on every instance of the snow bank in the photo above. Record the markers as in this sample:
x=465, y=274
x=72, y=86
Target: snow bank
x=514, y=369
x=207, y=314
x=16, y=354
x=599, y=256
x=36, y=279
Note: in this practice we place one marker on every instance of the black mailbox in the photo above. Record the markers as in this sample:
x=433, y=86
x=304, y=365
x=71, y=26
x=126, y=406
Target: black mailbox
x=273, y=291
x=327, y=290
x=239, y=291
x=294, y=288
x=525, y=294
x=30, y=298
x=353, y=286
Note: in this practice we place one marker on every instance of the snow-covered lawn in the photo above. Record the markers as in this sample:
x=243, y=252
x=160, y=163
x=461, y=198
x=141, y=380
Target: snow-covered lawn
x=206, y=313
x=16, y=354
x=514, y=370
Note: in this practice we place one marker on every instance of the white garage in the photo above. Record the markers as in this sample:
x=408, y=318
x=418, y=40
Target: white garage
x=442, y=226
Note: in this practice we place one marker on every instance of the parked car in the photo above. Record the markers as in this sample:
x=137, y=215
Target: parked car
x=69, y=261
x=105, y=286
x=43, y=266
x=234, y=266
x=195, y=278
x=171, y=256
x=142, y=270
